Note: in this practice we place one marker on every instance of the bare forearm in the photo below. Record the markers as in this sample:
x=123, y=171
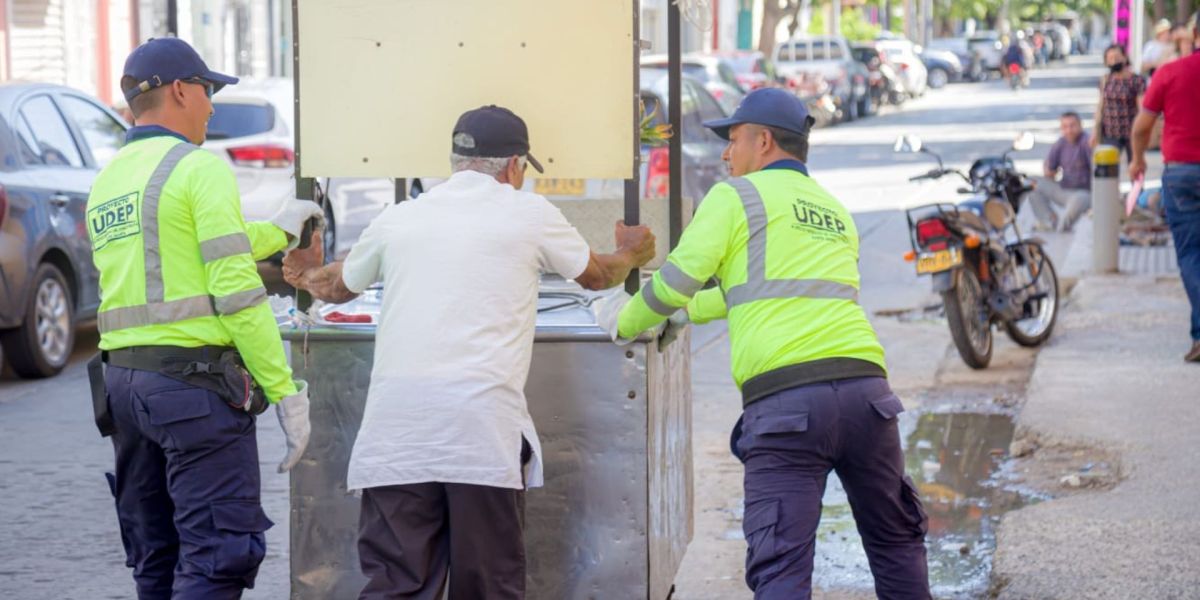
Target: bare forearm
x=325, y=283
x=608, y=270
x=1143, y=125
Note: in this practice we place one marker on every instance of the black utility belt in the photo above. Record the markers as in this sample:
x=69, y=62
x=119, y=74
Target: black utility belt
x=218, y=369
x=818, y=371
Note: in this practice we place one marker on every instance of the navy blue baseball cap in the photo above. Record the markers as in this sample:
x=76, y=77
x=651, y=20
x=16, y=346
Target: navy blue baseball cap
x=773, y=107
x=161, y=61
x=494, y=132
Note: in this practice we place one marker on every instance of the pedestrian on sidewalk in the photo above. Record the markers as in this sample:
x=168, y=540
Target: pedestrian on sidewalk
x=1158, y=51
x=1183, y=41
x=446, y=447
x=193, y=352
x=1175, y=96
x=1071, y=155
x=811, y=370
x=1120, y=95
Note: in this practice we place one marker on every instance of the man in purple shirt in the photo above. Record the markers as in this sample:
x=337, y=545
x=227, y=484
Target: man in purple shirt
x=1073, y=192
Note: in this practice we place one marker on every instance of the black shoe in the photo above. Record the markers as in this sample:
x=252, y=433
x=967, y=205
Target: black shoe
x=1194, y=355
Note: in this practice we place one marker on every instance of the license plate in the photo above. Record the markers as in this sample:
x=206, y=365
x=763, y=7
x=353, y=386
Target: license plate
x=558, y=187
x=936, y=262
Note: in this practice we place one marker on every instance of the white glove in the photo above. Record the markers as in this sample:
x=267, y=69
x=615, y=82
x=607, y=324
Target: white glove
x=293, y=215
x=674, y=325
x=608, y=309
x=293, y=418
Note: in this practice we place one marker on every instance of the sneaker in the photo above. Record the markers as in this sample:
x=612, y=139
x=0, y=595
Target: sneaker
x=1194, y=355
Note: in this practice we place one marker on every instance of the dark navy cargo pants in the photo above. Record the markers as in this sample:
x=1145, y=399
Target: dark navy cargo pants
x=186, y=487
x=789, y=442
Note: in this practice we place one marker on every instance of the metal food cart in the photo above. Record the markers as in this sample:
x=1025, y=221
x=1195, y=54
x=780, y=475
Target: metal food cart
x=615, y=515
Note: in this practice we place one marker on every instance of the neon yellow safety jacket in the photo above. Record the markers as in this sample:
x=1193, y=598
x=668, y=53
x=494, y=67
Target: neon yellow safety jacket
x=176, y=260
x=785, y=253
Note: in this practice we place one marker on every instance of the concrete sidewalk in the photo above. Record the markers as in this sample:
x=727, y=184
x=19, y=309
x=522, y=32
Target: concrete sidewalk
x=1113, y=379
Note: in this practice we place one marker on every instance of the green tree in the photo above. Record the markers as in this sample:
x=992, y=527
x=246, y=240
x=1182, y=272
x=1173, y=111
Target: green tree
x=855, y=26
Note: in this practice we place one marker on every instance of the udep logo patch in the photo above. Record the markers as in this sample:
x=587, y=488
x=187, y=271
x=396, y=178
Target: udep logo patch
x=115, y=219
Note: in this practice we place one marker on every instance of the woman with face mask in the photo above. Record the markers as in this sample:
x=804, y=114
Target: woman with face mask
x=1120, y=96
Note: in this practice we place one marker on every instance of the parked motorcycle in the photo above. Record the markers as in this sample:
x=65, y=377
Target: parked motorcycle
x=986, y=272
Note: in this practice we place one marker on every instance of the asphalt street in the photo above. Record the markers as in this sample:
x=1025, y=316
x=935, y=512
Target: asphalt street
x=57, y=522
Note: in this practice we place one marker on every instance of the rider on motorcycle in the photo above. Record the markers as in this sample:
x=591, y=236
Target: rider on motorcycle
x=1015, y=55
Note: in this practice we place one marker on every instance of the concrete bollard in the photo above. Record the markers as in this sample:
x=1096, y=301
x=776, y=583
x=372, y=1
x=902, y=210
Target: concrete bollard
x=1106, y=209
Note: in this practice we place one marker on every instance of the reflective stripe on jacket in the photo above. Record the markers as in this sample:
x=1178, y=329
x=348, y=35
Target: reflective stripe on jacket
x=176, y=260
x=786, y=255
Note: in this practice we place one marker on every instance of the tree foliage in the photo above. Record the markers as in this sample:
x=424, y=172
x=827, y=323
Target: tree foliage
x=855, y=26
x=948, y=14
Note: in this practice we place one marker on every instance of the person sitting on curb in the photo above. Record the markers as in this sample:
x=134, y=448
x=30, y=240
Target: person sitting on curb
x=1071, y=154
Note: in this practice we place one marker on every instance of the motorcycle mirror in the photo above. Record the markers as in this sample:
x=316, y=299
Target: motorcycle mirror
x=907, y=143
x=1023, y=142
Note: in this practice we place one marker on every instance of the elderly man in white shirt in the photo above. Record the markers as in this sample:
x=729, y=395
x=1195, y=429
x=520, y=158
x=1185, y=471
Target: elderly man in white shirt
x=446, y=445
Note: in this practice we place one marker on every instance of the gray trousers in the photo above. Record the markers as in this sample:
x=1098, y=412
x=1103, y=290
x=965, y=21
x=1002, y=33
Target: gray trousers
x=1075, y=202
x=414, y=539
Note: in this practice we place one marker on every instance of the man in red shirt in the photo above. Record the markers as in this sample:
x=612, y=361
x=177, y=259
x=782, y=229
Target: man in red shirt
x=1175, y=94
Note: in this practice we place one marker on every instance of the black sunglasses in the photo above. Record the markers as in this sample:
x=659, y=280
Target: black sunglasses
x=209, y=88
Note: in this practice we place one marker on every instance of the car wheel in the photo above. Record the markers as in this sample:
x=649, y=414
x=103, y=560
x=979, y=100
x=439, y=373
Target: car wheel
x=41, y=346
x=938, y=78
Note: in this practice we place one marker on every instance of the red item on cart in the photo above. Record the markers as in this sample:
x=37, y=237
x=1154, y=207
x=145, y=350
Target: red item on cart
x=341, y=317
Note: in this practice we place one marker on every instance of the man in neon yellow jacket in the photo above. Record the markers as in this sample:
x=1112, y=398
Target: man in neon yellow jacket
x=180, y=295
x=814, y=387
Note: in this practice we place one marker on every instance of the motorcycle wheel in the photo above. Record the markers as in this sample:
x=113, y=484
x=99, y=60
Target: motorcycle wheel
x=1035, y=330
x=867, y=105
x=967, y=315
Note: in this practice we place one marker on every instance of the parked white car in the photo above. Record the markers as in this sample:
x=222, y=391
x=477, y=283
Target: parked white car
x=251, y=128
x=909, y=64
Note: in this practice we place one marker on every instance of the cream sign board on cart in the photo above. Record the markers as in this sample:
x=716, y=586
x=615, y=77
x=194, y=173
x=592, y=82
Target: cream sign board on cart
x=382, y=82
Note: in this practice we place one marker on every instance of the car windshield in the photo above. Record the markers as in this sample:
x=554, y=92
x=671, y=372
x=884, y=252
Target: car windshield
x=825, y=50
x=234, y=120
x=695, y=71
x=745, y=64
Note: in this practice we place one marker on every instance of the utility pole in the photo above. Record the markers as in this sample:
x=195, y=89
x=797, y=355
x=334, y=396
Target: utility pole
x=173, y=18
x=1137, y=34
x=837, y=17
x=927, y=30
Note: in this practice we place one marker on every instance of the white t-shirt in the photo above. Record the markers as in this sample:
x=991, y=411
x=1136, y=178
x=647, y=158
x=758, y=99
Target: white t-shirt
x=1154, y=51
x=460, y=267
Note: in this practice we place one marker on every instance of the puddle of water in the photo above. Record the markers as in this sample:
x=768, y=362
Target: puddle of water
x=954, y=458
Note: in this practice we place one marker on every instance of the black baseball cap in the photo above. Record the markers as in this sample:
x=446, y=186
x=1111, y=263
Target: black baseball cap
x=161, y=61
x=772, y=107
x=493, y=132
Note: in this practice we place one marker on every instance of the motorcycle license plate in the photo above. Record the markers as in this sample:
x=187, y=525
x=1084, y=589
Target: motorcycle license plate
x=936, y=262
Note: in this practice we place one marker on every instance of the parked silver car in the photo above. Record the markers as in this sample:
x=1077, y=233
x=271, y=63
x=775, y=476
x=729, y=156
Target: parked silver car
x=53, y=142
x=715, y=73
x=830, y=58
